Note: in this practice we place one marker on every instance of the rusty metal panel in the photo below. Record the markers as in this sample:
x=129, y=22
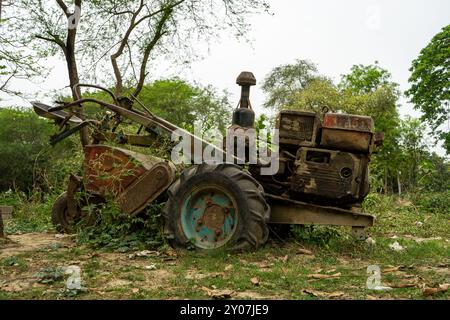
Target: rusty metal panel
x=147, y=188
x=6, y=212
x=330, y=174
x=298, y=128
x=109, y=170
x=286, y=211
x=347, y=132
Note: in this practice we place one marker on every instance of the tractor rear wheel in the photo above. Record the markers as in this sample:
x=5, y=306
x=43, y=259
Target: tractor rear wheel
x=215, y=206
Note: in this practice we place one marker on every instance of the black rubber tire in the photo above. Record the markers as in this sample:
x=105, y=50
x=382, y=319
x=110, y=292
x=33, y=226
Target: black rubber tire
x=59, y=215
x=254, y=212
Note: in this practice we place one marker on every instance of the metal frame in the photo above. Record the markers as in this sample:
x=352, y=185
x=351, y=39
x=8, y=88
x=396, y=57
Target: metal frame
x=287, y=211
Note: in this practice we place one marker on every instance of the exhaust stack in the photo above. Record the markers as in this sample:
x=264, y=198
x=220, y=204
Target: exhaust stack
x=243, y=115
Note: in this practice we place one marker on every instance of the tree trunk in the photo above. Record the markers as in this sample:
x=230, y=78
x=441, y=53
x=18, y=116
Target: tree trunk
x=74, y=79
x=399, y=184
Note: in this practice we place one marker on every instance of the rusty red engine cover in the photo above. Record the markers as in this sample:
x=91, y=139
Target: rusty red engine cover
x=347, y=132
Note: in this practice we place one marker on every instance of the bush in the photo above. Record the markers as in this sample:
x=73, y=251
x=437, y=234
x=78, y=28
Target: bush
x=31, y=213
x=27, y=160
x=115, y=230
x=438, y=202
x=314, y=234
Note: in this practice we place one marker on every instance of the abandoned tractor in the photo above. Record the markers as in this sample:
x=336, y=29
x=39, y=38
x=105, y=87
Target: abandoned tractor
x=322, y=173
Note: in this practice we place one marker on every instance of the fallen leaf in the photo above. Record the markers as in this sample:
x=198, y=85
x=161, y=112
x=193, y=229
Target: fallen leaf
x=430, y=291
x=262, y=265
x=304, y=251
x=228, y=267
x=285, y=258
x=391, y=269
x=218, y=294
x=135, y=290
x=369, y=297
x=403, y=285
x=324, y=276
x=312, y=292
x=255, y=281
x=321, y=294
x=144, y=253
x=336, y=294
x=193, y=275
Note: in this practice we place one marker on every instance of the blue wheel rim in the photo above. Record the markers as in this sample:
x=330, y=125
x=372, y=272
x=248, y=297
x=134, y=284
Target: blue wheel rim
x=209, y=217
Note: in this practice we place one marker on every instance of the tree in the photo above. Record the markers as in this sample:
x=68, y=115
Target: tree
x=125, y=34
x=187, y=105
x=430, y=84
x=317, y=94
x=364, y=79
x=27, y=160
x=284, y=82
x=369, y=90
x=413, y=150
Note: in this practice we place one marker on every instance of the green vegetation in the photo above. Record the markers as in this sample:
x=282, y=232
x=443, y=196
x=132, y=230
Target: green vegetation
x=430, y=83
x=287, y=269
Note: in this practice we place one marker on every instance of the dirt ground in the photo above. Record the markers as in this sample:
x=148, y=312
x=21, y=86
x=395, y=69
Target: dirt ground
x=30, y=263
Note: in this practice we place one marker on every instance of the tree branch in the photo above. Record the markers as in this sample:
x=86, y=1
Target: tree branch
x=159, y=33
x=118, y=53
x=133, y=24
x=63, y=6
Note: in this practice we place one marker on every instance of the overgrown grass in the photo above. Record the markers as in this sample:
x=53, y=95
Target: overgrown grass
x=122, y=232
x=282, y=272
x=31, y=213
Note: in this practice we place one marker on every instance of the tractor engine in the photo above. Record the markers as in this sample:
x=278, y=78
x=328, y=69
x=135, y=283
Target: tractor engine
x=325, y=162
x=321, y=161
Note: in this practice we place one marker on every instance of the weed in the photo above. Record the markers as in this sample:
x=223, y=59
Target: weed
x=121, y=232
x=50, y=275
x=314, y=234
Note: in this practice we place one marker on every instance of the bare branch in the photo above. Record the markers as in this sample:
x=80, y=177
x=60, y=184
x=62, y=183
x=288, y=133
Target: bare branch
x=159, y=33
x=63, y=7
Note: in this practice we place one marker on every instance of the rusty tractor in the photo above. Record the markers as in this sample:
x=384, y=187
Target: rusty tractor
x=322, y=176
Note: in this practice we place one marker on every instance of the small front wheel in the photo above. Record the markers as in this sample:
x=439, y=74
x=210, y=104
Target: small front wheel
x=64, y=222
x=61, y=218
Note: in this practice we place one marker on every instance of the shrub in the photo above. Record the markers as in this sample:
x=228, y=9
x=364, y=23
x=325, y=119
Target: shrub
x=437, y=202
x=115, y=230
